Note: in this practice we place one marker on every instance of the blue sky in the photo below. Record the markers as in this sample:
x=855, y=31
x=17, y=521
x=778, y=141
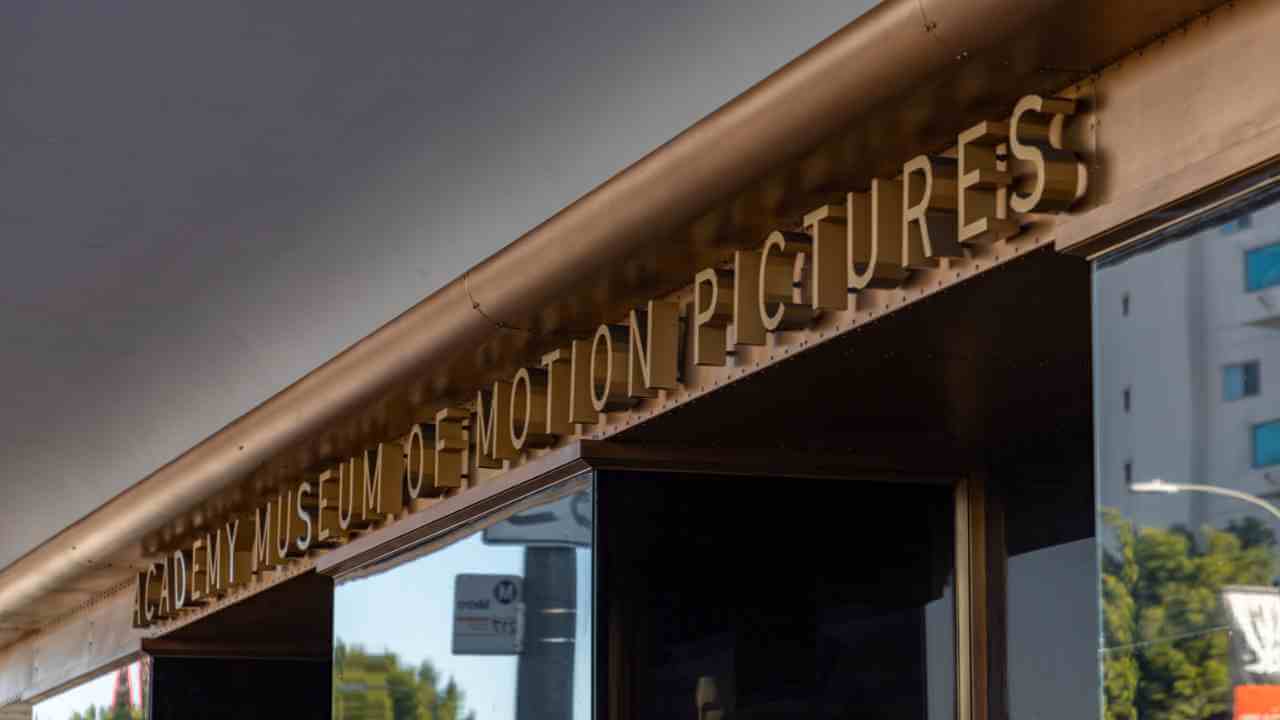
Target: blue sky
x=97, y=691
x=409, y=611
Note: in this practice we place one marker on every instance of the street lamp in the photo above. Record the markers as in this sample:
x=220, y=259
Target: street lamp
x=1254, y=611
x=1156, y=485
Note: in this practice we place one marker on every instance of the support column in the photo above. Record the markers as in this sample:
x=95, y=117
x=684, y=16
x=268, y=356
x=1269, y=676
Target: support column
x=545, y=675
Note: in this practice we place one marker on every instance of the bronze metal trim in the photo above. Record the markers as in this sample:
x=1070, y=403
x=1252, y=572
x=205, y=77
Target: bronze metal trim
x=972, y=657
x=452, y=513
x=581, y=456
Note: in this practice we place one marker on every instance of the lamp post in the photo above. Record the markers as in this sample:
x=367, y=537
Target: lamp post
x=1254, y=612
x=1156, y=485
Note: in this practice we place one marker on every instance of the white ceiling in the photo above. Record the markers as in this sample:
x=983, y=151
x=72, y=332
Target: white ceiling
x=200, y=202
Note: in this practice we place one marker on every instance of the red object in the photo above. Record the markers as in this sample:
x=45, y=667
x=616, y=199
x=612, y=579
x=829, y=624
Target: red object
x=124, y=681
x=1257, y=702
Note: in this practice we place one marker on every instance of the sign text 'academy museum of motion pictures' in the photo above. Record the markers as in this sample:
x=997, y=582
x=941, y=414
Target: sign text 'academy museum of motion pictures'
x=937, y=207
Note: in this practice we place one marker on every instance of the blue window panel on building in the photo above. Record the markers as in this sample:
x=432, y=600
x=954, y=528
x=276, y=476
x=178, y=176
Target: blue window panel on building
x=1262, y=267
x=1266, y=444
x=1240, y=381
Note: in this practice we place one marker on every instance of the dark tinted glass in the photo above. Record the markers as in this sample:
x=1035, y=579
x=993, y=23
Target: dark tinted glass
x=832, y=599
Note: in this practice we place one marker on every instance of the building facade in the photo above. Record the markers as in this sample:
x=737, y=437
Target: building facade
x=933, y=377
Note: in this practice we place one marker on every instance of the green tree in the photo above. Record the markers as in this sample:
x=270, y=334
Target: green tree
x=1119, y=622
x=428, y=692
x=1167, y=654
x=380, y=687
x=450, y=705
x=402, y=688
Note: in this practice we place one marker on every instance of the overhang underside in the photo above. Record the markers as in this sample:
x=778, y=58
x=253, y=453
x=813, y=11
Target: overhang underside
x=994, y=367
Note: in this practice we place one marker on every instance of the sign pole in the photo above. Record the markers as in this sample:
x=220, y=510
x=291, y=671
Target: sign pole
x=544, y=685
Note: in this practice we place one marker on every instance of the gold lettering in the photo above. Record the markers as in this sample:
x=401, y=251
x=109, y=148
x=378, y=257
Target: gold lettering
x=748, y=328
x=327, y=493
x=215, y=553
x=451, y=448
x=306, y=503
x=653, y=352
x=154, y=583
x=928, y=211
x=874, y=236
x=180, y=579
x=581, y=407
x=1035, y=136
x=558, y=368
x=351, y=494
x=420, y=475
x=164, y=607
x=608, y=356
x=141, y=616
x=830, y=263
x=238, y=555
x=781, y=300
x=264, y=557
x=382, y=482
x=527, y=426
x=713, y=311
x=284, y=538
x=493, y=445
x=199, y=569
x=984, y=185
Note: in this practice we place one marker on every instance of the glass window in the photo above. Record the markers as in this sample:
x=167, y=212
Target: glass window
x=719, y=604
x=1240, y=380
x=1266, y=444
x=1043, y=501
x=1262, y=267
x=492, y=622
x=118, y=694
x=1188, y=557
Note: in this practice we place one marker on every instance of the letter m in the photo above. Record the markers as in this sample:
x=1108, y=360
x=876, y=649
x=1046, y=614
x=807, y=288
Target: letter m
x=383, y=485
x=263, y=542
x=493, y=434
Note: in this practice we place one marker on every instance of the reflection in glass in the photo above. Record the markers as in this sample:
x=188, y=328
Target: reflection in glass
x=1042, y=498
x=1262, y=267
x=118, y=694
x=1266, y=444
x=1190, y=617
x=1240, y=380
x=491, y=624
